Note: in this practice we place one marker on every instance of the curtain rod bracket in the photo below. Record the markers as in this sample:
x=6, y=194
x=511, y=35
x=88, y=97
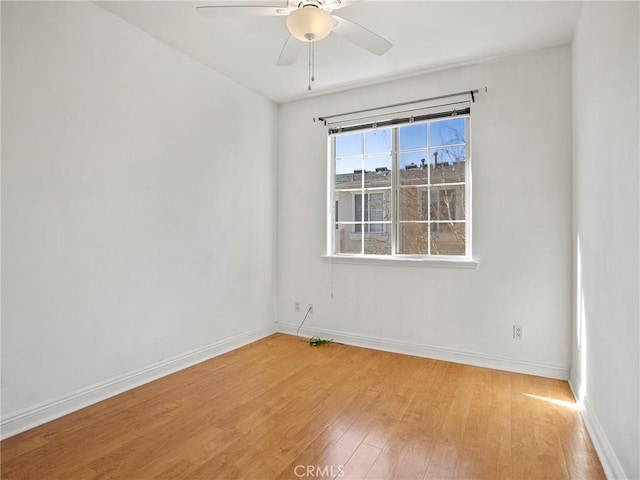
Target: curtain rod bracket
x=473, y=97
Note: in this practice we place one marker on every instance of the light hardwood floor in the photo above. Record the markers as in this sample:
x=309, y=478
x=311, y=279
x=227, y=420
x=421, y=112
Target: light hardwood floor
x=280, y=409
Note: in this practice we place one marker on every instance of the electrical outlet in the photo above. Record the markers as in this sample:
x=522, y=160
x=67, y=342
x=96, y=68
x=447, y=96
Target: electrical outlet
x=310, y=307
x=517, y=332
x=296, y=306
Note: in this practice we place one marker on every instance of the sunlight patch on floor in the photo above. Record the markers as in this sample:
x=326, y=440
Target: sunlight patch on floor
x=562, y=403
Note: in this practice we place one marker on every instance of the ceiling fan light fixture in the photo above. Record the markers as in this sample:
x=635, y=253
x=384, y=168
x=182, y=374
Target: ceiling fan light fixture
x=309, y=23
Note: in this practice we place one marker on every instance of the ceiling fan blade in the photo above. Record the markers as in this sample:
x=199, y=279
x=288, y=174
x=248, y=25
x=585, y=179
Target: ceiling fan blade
x=336, y=4
x=241, y=11
x=290, y=51
x=361, y=36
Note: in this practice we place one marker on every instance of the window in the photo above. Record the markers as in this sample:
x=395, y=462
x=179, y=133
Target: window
x=401, y=190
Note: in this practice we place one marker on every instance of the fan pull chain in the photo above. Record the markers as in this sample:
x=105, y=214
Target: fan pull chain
x=313, y=60
x=311, y=38
x=310, y=55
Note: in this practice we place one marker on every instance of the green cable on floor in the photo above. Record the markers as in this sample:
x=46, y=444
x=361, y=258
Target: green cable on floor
x=317, y=341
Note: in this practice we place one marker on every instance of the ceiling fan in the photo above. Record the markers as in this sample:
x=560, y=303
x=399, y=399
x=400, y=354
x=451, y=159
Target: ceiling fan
x=308, y=21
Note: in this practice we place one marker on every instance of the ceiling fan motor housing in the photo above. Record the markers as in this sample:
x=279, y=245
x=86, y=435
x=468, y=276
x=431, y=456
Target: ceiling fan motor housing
x=309, y=22
x=295, y=4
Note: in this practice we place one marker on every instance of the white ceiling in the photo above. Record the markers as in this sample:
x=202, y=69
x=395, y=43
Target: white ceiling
x=425, y=34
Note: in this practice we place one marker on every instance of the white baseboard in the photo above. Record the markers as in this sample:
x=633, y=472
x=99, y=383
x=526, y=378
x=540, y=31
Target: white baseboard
x=438, y=353
x=50, y=410
x=607, y=456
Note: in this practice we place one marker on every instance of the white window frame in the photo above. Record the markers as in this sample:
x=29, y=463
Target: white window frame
x=460, y=261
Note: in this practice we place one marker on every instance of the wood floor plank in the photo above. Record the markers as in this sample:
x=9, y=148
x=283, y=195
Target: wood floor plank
x=29, y=444
x=360, y=462
x=414, y=458
x=385, y=465
x=277, y=405
x=442, y=462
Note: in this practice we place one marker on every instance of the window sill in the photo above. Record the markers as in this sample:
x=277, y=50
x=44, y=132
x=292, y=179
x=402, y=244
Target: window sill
x=402, y=261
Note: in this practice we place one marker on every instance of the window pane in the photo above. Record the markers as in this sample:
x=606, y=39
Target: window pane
x=377, y=141
x=447, y=204
x=413, y=168
x=450, y=166
x=378, y=243
x=447, y=132
x=447, y=155
x=375, y=209
x=357, y=208
x=448, y=240
x=378, y=170
x=412, y=160
x=345, y=208
x=345, y=241
x=348, y=145
x=413, y=136
x=349, y=165
x=413, y=238
x=413, y=203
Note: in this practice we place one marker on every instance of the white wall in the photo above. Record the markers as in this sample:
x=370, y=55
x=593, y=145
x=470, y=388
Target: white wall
x=138, y=206
x=606, y=363
x=521, y=227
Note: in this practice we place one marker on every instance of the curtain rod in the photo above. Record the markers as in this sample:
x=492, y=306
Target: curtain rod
x=324, y=118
